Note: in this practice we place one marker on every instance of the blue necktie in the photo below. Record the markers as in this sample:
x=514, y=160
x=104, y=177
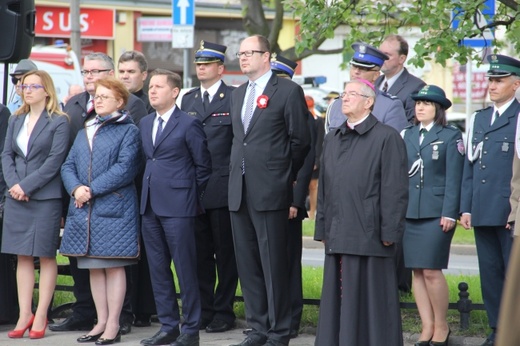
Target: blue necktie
x=159, y=129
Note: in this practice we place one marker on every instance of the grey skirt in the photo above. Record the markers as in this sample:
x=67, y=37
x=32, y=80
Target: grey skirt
x=102, y=263
x=31, y=228
x=425, y=245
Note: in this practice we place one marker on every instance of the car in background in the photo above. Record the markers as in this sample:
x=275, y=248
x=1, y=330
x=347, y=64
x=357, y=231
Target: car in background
x=458, y=119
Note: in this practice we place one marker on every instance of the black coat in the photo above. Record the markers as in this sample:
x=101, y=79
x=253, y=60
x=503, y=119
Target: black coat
x=363, y=190
x=216, y=122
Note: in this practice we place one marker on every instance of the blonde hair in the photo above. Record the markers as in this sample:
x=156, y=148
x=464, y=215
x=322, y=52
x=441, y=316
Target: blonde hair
x=52, y=104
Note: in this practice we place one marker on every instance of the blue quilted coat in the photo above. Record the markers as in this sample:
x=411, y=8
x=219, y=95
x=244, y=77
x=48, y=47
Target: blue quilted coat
x=108, y=226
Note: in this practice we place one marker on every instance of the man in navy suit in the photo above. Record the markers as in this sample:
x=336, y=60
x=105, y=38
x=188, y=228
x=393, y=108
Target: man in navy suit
x=271, y=140
x=178, y=167
x=396, y=80
x=215, y=254
x=486, y=181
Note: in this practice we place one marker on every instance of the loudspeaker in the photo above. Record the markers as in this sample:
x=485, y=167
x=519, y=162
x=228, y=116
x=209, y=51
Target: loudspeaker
x=17, y=19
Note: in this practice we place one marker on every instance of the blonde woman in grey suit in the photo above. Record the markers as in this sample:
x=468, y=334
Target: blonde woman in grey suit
x=35, y=147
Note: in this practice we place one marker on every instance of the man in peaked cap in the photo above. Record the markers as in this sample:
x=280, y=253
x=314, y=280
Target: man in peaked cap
x=366, y=64
x=486, y=181
x=214, y=240
x=24, y=66
x=283, y=67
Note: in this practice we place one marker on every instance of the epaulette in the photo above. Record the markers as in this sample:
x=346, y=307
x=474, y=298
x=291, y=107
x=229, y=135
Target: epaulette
x=483, y=109
x=452, y=127
x=191, y=90
x=403, y=131
x=390, y=96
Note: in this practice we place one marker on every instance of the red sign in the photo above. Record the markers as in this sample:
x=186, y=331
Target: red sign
x=479, y=84
x=93, y=23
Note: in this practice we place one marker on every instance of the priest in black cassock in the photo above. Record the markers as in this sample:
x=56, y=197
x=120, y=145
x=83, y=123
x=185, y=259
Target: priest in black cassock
x=362, y=201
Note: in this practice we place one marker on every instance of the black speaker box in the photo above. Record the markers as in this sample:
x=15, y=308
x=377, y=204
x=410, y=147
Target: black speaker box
x=17, y=29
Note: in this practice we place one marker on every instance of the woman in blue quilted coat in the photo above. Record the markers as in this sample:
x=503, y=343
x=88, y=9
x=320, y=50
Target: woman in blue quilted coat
x=102, y=228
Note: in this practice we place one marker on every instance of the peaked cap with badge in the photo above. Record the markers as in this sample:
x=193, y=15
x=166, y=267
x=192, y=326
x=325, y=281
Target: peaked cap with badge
x=282, y=66
x=368, y=56
x=502, y=66
x=434, y=94
x=210, y=52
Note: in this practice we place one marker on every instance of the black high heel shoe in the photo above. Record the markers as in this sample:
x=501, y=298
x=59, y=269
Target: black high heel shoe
x=423, y=343
x=441, y=343
x=89, y=338
x=103, y=341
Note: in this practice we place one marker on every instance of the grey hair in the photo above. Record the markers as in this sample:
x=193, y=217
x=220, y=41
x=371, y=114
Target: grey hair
x=107, y=61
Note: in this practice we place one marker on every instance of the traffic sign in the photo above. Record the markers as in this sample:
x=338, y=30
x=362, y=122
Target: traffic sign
x=182, y=36
x=479, y=21
x=183, y=12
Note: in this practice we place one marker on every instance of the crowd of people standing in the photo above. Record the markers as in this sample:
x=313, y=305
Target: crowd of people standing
x=217, y=184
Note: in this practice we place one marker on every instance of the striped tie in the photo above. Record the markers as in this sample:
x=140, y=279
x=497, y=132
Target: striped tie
x=250, y=103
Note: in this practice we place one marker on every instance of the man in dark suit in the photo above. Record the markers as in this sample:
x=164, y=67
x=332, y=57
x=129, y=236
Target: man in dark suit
x=215, y=254
x=80, y=108
x=284, y=68
x=271, y=140
x=178, y=167
x=396, y=80
x=486, y=181
x=366, y=64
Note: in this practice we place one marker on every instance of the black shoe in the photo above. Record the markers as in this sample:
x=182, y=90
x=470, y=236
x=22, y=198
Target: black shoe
x=247, y=331
x=293, y=334
x=103, y=341
x=70, y=324
x=422, y=343
x=272, y=342
x=441, y=343
x=204, y=322
x=253, y=339
x=161, y=338
x=219, y=326
x=89, y=338
x=142, y=320
x=125, y=327
x=186, y=340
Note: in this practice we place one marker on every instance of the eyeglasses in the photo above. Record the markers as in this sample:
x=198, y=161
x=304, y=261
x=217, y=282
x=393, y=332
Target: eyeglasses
x=352, y=94
x=249, y=53
x=31, y=87
x=103, y=97
x=363, y=68
x=93, y=72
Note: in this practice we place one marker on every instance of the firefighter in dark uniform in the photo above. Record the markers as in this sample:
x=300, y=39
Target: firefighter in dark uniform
x=487, y=178
x=215, y=254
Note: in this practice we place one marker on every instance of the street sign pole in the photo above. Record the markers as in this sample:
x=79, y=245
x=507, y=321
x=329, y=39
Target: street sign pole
x=183, y=32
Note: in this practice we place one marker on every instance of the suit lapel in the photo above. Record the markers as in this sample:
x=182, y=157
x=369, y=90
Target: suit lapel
x=218, y=101
x=269, y=91
x=431, y=136
x=240, y=93
x=505, y=118
x=43, y=120
x=414, y=137
x=170, y=125
x=198, y=105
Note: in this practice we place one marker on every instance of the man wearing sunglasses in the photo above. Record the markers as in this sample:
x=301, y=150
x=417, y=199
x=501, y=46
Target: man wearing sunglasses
x=24, y=66
x=366, y=64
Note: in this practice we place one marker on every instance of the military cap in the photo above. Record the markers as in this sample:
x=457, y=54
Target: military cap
x=502, y=66
x=331, y=95
x=434, y=94
x=366, y=55
x=210, y=52
x=24, y=66
x=282, y=66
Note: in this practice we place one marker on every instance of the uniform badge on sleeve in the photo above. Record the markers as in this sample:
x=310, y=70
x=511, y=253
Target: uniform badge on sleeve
x=460, y=147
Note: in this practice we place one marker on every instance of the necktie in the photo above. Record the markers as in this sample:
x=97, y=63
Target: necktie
x=250, y=103
x=385, y=87
x=159, y=129
x=90, y=105
x=422, y=133
x=495, y=117
x=206, y=100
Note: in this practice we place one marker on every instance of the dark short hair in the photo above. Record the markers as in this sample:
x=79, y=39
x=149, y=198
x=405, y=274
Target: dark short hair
x=264, y=43
x=172, y=78
x=134, y=55
x=116, y=86
x=403, y=45
x=440, y=114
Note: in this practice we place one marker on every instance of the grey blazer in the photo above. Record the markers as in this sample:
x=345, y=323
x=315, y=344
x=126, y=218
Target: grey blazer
x=38, y=172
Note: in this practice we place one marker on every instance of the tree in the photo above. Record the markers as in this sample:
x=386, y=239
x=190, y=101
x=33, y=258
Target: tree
x=371, y=20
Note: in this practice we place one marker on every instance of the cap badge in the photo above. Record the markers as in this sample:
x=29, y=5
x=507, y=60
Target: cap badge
x=201, y=45
x=362, y=49
x=273, y=57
